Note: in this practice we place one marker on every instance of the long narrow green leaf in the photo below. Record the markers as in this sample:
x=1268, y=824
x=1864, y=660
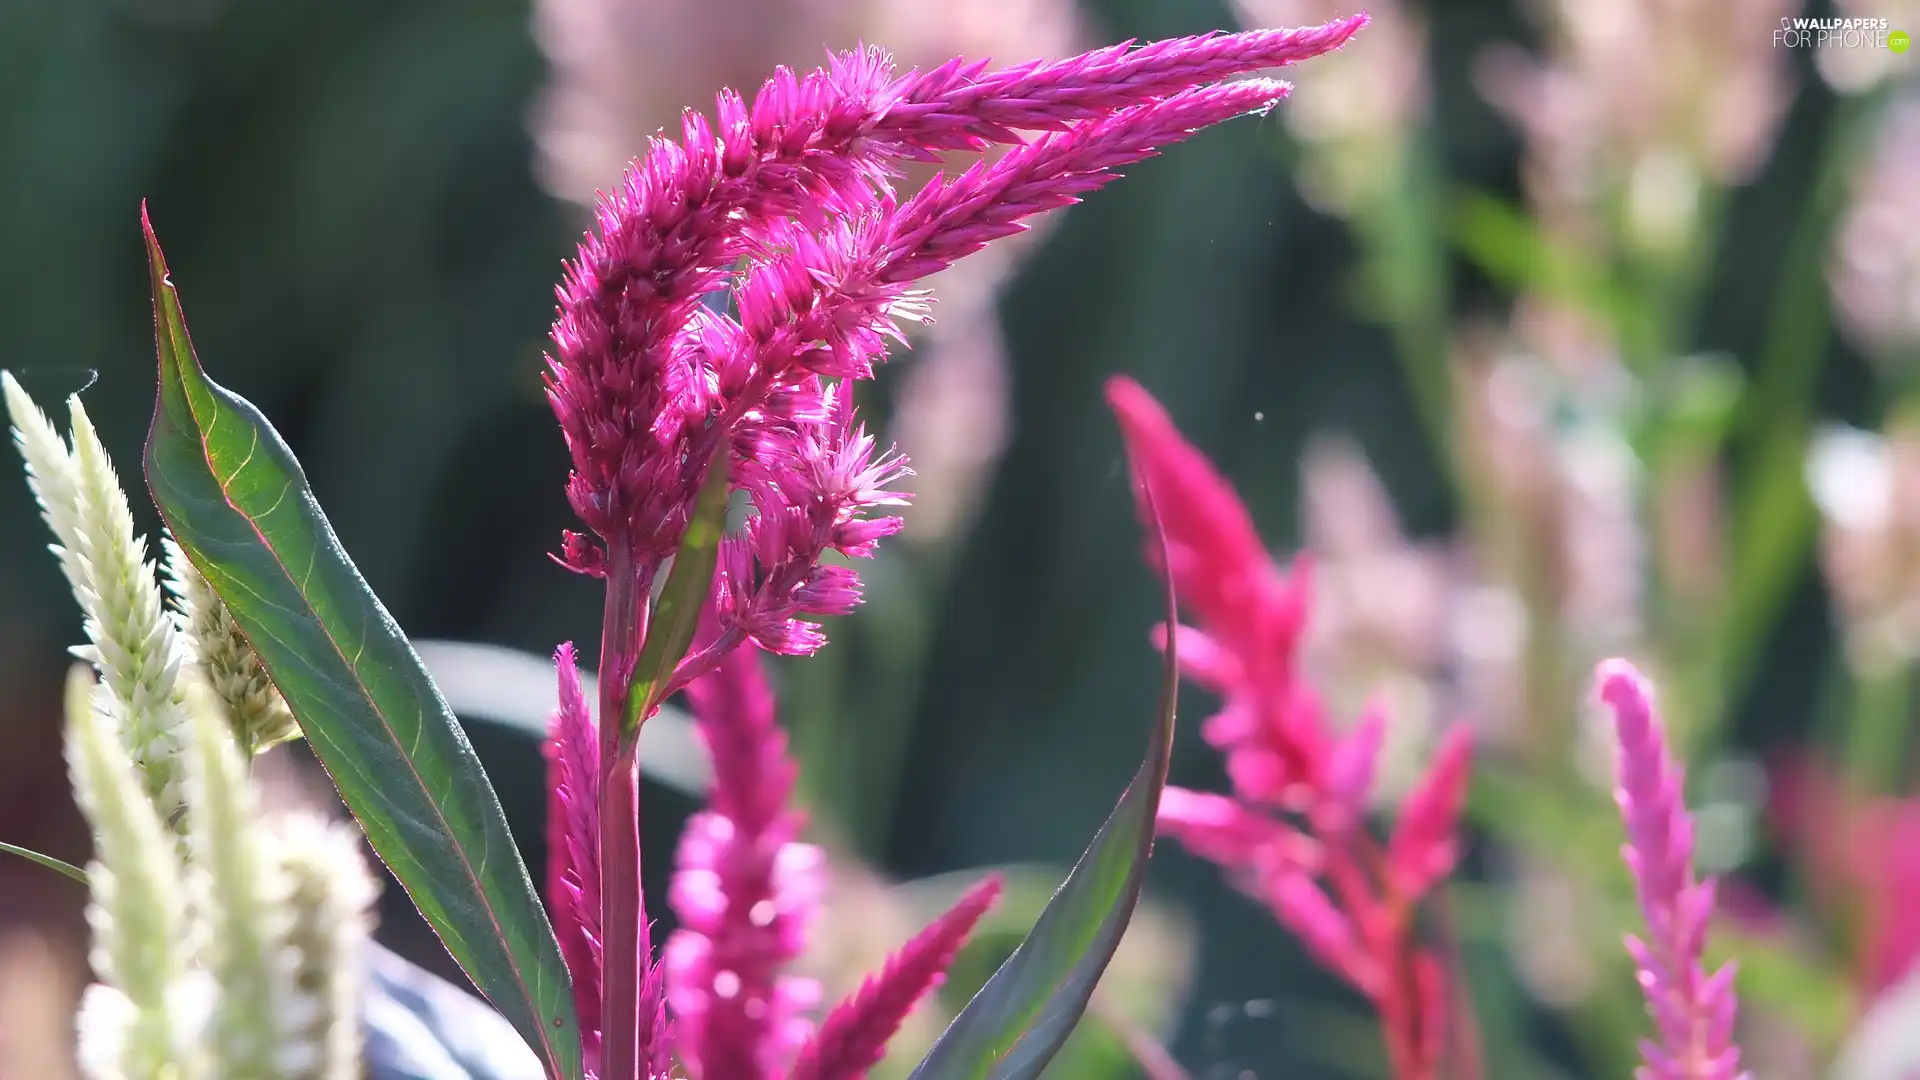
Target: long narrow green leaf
x=676, y=615
x=1023, y=1015
x=47, y=861
x=240, y=507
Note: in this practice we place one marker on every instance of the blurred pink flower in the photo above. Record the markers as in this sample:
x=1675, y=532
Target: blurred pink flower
x=1693, y=1011
x=1558, y=546
x=1356, y=112
x=853, y=1037
x=1381, y=627
x=745, y=888
x=1874, y=270
x=1645, y=100
x=1862, y=857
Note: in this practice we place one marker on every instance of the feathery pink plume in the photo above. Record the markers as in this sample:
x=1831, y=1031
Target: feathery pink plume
x=573, y=844
x=827, y=299
x=745, y=889
x=853, y=1037
x=1693, y=1012
x=1044, y=95
x=808, y=149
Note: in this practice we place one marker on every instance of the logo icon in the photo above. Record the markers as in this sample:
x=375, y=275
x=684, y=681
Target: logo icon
x=1899, y=40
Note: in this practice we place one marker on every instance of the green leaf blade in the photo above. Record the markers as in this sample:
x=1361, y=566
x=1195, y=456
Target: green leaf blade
x=48, y=861
x=1020, y=1019
x=676, y=615
x=239, y=505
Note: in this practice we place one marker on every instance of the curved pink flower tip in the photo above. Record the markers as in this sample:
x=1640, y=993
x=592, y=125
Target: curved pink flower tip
x=1426, y=838
x=853, y=1037
x=1693, y=1012
x=1210, y=534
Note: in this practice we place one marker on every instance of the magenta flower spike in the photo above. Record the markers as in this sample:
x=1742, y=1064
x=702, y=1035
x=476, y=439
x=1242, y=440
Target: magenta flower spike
x=573, y=843
x=745, y=890
x=853, y=1037
x=1693, y=1012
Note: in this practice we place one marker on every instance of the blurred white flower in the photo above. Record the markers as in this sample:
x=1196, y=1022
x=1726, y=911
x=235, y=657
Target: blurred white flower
x=1867, y=489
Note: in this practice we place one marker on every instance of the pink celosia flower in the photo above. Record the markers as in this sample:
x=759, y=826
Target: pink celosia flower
x=1693, y=1012
x=573, y=843
x=787, y=204
x=633, y=389
x=1293, y=834
x=745, y=890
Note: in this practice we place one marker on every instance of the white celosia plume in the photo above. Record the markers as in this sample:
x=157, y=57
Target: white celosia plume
x=330, y=896
x=146, y=1020
x=236, y=951
x=133, y=644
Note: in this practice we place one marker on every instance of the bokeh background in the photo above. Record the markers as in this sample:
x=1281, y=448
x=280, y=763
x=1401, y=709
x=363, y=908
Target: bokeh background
x=1553, y=330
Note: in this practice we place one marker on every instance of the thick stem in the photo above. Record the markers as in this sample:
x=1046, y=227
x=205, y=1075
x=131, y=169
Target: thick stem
x=623, y=626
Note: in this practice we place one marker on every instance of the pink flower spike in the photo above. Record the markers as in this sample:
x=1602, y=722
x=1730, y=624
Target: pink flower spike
x=1045, y=95
x=745, y=888
x=573, y=844
x=1692, y=1012
x=853, y=1037
x=1426, y=838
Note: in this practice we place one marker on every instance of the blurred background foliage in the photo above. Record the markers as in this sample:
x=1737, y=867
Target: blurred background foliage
x=1548, y=290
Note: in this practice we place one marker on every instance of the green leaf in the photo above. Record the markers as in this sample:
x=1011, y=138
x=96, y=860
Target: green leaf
x=239, y=505
x=47, y=861
x=1023, y=1015
x=676, y=614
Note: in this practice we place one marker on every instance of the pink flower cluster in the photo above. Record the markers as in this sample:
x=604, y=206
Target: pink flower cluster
x=1863, y=858
x=784, y=209
x=1294, y=832
x=1693, y=1012
x=649, y=381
